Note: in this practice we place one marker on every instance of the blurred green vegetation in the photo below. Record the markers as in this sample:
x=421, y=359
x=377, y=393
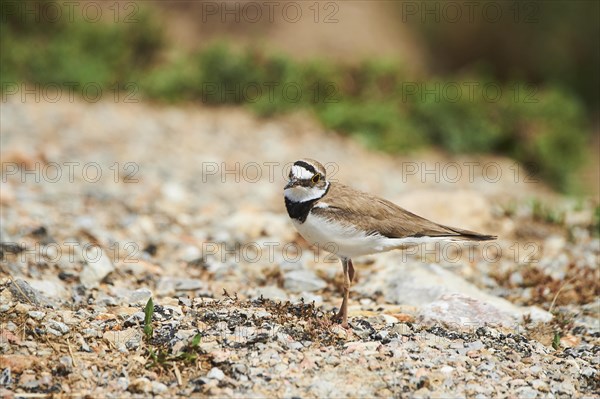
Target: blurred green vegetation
x=538, y=41
x=376, y=101
x=38, y=50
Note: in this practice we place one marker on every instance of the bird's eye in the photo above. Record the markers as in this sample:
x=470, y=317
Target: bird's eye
x=316, y=178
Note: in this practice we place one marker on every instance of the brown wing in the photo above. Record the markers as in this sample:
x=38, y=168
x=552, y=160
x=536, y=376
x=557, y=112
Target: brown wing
x=377, y=215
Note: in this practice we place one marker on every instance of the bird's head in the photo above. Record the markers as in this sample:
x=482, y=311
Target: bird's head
x=307, y=181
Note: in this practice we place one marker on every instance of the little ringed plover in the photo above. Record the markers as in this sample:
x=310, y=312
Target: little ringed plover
x=350, y=223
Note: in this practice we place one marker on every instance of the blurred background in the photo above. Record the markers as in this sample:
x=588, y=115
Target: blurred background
x=157, y=136
x=518, y=79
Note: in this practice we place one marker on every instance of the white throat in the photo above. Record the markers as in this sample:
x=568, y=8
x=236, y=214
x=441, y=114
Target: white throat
x=303, y=194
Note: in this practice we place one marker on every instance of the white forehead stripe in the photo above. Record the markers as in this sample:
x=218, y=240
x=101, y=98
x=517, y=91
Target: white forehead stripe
x=301, y=173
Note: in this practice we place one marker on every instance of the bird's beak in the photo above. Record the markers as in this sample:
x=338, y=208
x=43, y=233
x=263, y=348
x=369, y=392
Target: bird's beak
x=291, y=183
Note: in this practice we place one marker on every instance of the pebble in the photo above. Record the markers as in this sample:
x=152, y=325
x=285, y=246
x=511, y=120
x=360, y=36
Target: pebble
x=158, y=388
x=57, y=328
x=535, y=369
x=475, y=346
x=564, y=387
x=96, y=269
x=302, y=281
x=190, y=253
x=172, y=285
x=526, y=393
x=388, y=319
x=589, y=372
x=540, y=385
x=36, y=314
x=122, y=383
x=215, y=374
x=133, y=297
x=5, y=377
x=295, y=345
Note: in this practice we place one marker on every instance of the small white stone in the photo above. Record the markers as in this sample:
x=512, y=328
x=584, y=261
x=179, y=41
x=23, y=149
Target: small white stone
x=389, y=319
x=447, y=369
x=36, y=314
x=58, y=326
x=588, y=372
x=191, y=253
x=216, y=374
x=295, y=345
x=97, y=267
x=158, y=387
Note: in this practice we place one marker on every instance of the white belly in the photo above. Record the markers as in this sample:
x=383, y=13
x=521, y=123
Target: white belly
x=348, y=242
x=342, y=240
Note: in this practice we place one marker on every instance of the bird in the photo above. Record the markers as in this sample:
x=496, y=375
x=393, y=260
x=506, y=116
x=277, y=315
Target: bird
x=350, y=223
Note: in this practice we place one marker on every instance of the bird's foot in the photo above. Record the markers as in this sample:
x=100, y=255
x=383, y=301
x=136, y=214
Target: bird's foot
x=343, y=322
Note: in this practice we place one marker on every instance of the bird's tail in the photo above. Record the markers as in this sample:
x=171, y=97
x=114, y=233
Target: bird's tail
x=468, y=235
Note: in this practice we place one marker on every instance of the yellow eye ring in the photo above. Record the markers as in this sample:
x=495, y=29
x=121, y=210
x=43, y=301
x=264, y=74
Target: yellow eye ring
x=316, y=178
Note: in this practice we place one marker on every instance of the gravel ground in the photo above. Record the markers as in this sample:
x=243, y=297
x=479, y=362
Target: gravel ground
x=105, y=206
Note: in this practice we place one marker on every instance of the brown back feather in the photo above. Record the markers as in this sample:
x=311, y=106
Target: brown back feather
x=377, y=215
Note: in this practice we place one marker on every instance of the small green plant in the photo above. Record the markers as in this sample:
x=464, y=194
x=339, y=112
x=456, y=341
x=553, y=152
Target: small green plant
x=148, y=312
x=189, y=354
x=196, y=341
x=556, y=341
x=161, y=356
x=562, y=323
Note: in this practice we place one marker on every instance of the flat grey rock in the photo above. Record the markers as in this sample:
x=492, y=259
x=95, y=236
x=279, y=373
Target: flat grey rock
x=460, y=312
x=23, y=292
x=420, y=284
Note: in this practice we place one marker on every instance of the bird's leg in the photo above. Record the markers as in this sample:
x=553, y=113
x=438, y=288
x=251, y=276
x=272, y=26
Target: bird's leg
x=350, y=270
x=343, y=313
